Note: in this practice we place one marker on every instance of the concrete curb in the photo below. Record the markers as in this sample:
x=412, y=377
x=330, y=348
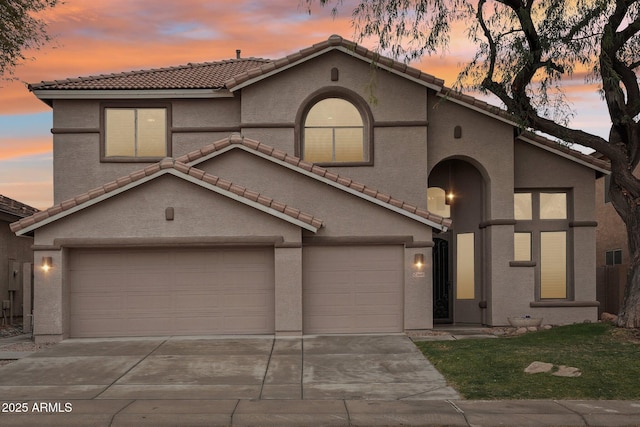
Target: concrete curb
x=347, y=413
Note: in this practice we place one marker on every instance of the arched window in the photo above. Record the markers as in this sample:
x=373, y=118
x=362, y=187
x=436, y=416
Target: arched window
x=437, y=202
x=333, y=132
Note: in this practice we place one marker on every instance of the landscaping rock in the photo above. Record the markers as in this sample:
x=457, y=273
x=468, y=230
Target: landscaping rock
x=532, y=328
x=538, y=368
x=547, y=327
x=521, y=331
x=608, y=317
x=567, y=371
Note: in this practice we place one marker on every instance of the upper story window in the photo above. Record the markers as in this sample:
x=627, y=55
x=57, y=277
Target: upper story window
x=132, y=133
x=613, y=257
x=334, y=132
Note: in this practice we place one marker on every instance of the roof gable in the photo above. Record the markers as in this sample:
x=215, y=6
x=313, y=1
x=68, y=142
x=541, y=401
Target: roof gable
x=180, y=170
x=334, y=42
x=318, y=173
x=589, y=161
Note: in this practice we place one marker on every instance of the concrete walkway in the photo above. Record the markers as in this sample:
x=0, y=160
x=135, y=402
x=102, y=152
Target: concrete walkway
x=310, y=368
x=249, y=381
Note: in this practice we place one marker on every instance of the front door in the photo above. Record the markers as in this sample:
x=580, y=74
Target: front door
x=442, y=298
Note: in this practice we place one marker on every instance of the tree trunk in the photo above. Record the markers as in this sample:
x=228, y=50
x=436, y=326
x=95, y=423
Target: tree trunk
x=629, y=316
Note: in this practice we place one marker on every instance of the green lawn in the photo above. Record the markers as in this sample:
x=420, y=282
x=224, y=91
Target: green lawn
x=609, y=359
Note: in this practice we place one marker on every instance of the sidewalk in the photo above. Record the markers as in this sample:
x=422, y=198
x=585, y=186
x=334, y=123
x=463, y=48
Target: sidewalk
x=188, y=405
x=239, y=413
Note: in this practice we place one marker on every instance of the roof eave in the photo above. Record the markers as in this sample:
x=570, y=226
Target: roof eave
x=344, y=49
x=561, y=153
x=52, y=94
x=418, y=218
x=478, y=109
x=31, y=228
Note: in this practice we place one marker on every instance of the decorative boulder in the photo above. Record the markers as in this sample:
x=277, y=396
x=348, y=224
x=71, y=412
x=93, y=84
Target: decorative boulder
x=609, y=318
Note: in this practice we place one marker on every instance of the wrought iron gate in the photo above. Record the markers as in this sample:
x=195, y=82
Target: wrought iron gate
x=441, y=284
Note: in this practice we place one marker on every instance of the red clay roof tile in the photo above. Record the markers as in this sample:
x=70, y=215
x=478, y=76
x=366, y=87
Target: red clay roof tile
x=167, y=163
x=207, y=75
x=321, y=172
x=231, y=73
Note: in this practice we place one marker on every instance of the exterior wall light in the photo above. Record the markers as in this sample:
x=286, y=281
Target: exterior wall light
x=449, y=199
x=418, y=261
x=47, y=263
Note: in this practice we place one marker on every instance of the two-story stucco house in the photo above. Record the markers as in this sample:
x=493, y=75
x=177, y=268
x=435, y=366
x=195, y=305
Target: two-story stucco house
x=253, y=196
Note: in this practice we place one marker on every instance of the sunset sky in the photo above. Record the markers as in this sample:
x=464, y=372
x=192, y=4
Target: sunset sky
x=99, y=36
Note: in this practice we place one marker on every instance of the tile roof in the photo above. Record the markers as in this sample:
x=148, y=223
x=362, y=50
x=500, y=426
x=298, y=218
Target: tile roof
x=341, y=181
x=234, y=72
x=586, y=158
x=207, y=75
x=333, y=41
x=167, y=164
x=15, y=208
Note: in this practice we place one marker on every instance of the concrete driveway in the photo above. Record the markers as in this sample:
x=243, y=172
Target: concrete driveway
x=384, y=367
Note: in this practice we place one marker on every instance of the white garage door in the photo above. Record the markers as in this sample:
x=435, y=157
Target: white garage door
x=131, y=292
x=350, y=289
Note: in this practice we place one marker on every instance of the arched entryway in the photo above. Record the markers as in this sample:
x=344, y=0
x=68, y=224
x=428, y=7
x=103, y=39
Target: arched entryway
x=457, y=190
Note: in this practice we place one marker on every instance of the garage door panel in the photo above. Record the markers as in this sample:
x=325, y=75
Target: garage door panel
x=168, y=292
x=98, y=303
x=197, y=301
x=246, y=324
x=371, y=277
x=326, y=300
x=378, y=301
x=247, y=300
x=353, y=289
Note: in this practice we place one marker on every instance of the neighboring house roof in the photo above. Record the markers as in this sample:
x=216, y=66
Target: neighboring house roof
x=15, y=208
x=318, y=173
x=180, y=170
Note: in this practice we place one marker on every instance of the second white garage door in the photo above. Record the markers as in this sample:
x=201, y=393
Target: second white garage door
x=353, y=289
x=136, y=292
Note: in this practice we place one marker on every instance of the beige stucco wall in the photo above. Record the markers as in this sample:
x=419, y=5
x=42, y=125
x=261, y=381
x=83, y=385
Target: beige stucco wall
x=140, y=213
x=288, y=283
x=559, y=173
x=404, y=151
x=486, y=143
x=344, y=214
x=76, y=123
x=137, y=217
x=399, y=152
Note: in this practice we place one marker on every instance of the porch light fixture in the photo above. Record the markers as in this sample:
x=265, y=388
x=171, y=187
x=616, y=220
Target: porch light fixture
x=418, y=261
x=47, y=263
x=449, y=198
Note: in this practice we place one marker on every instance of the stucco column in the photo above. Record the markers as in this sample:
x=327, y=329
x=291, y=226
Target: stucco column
x=418, y=289
x=48, y=300
x=288, y=292
x=26, y=297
